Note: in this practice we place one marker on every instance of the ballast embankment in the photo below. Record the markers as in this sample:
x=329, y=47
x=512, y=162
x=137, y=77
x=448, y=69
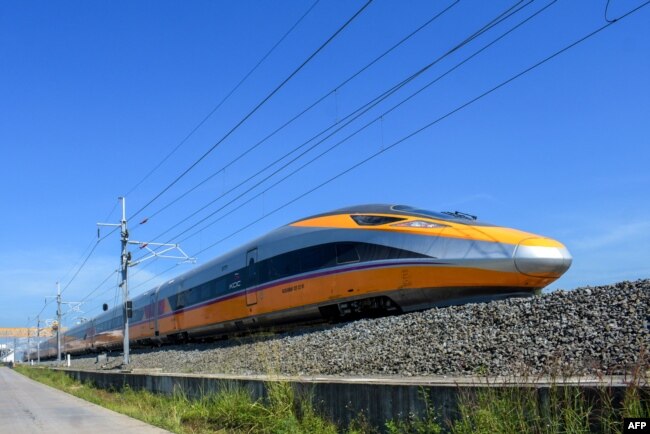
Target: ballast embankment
x=585, y=331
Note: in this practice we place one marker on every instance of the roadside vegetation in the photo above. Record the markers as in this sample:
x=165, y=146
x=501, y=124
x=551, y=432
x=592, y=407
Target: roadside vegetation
x=229, y=411
x=557, y=409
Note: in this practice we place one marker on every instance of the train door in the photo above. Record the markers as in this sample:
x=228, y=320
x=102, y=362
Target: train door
x=93, y=332
x=251, y=274
x=157, y=311
x=152, y=312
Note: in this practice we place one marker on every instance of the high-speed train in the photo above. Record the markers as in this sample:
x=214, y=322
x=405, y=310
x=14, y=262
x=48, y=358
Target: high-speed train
x=352, y=261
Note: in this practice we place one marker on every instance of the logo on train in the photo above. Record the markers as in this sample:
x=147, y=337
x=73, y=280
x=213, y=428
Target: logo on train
x=237, y=282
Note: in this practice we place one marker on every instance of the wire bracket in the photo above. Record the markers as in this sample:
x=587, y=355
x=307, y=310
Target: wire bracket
x=161, y=253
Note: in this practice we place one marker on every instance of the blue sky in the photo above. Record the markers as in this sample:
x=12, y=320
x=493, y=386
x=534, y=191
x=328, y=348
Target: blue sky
x=93, y=95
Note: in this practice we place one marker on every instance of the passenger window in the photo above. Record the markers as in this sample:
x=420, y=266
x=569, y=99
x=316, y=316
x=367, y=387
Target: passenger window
x=206, y=292
x=138, y=314
x=315, y=258
x=346, y=253
x=287, y=264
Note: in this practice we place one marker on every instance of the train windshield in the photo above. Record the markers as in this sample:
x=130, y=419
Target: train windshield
x=455, y=217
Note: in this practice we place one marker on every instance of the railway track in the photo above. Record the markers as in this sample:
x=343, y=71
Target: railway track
x=586, y=331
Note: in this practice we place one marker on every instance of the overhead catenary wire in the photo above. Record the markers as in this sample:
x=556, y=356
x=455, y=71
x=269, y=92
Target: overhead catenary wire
x=94, y=245
x=85, y=261
x=355, y=114
x=47, y=303
x=307, y=109
x=255, y=109
x=85, y=299
x=434, y=122
x=502, y=16
x=250, y=72
x=421, y=129
x=223, y=100
x=367, y=106
x=90, y=245
x=606, y=17
x=368, y=124
x=79, y=261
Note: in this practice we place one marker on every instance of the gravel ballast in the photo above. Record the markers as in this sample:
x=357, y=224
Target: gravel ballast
x=588, y=330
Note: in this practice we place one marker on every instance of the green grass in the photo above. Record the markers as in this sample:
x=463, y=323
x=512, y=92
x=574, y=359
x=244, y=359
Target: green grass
x=229, y=411
x=557, y=409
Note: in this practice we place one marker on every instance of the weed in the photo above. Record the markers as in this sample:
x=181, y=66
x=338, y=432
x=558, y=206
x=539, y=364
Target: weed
x=488, y=408
x=427, y=424
x=231, y=410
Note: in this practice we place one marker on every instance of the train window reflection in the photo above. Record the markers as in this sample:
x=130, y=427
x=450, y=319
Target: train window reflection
x=456, y=216
x=374, y=220
x=346, y=253
x=317, y=257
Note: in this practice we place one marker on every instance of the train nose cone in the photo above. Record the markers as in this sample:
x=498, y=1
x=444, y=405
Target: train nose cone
x=542, y=257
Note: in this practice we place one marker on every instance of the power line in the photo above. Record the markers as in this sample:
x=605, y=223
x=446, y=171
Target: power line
x=87, y=256
x=47, y=303
x=100, y=285
x=87, y=248
x=80, y=268
x=224, y=99
x=423, y=128
x=368, y=124
x=352, y=117
x=260, y=104
x=115, y=287
x=76, y=264
x=606, y=18
x=307, y=109
x=500, y=18
x=439, y=119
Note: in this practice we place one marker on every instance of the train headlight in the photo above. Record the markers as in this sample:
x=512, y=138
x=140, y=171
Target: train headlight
x=542, y=257
x=419, y=224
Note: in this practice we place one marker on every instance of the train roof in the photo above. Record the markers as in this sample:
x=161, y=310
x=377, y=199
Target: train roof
x=455, y=216
x=289, y=230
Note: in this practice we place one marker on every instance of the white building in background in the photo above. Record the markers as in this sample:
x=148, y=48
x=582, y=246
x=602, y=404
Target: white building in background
x=6, y=358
